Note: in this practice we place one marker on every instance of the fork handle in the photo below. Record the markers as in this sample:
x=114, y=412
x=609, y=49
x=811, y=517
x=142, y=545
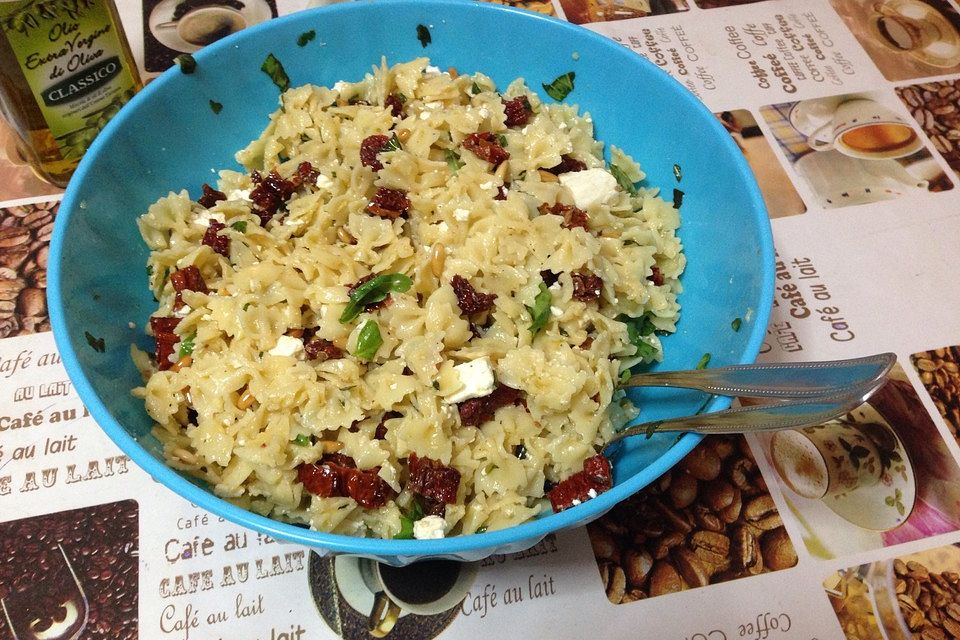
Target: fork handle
x=776, y=380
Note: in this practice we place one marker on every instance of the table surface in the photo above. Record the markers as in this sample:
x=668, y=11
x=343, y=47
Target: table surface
x=721, y=548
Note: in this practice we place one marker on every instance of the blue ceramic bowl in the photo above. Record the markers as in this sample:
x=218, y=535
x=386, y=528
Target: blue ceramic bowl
x=168, y=138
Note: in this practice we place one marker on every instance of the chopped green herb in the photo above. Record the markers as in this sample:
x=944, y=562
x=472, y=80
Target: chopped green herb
x=240, y=225
x=406, y=529
x=475, y=89
x=677, y=173
x=368, y=341
x=625, y=375
x=639, y=331
x=187, y=64
x=306, y=37
x=272, y=67
x=677, y=198
x=561, y=87
x=302, y=440
x=502, y=139
x=482, y=529
x=453, y=160
x=215, y=106
x=704, y=361
x=149, y=270
x=540, y=311
x=246, y=305
x=520, y=452
x=374, y=290
x=423, y=35
x=393, y=144
x=735, y=325
x=622, y=179
x=186, y=345
x=165, y=275
x=97, y=344
x=652, y=428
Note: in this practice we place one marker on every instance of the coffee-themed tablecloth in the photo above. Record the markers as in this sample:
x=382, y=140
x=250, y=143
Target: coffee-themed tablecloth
x=845, y=530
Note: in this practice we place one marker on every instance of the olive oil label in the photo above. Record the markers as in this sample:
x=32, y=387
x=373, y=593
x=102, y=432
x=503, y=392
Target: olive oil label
x=71, y=55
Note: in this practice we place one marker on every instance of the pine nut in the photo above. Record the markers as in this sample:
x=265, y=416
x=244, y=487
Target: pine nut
x=245, y=401
x=502, y=171
x=185, y=361
x=546, y=176
x=295, y=333
x=453, y=72
x=403, y=134
x=345, y=236
x=331, y=446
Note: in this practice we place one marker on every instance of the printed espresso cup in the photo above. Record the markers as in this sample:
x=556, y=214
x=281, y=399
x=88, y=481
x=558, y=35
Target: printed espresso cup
x=205, y=25
x=906, y=29
x=863, y=128
x=826, y=460
x=423, y=588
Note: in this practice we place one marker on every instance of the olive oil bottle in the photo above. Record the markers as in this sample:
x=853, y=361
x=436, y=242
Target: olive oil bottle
x=65, y=70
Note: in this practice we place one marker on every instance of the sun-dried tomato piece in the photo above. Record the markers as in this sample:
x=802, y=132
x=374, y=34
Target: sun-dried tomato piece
x=502, y=191
x=369, y=148
x=595, y=478
x=432, y=479
x=656, y=276
x=322, y=480
x=586, y=286
x=476, y=411
x=486, y=146
x=210, y=196
x=269, y=194
x=389, y=203
x=165, y=339
x=572, y=216
x=469, y=299
x=518, y=111
x=186, y=279
x=381, y=431
x=306, y=174
x=567, y=163
x=336, y=476
x=211, y=238
x=395, y=103
x=587, y=343
x=321, y=349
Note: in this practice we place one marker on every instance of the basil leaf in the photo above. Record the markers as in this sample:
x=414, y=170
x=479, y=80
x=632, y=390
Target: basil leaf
x=272, y=67
x=502, y=139
x=735, y=325
x=301, y=440
x=475, y=88
x=215, y=106
x=423, y=35
x=369, y=341
x=240, y=225
x=704, y=361
x=540, y=311
x=561, y=87
x=306, y=37
x=97, y=344
x=374, y=290
x=622, y=179
x=416, y=510
x=187, y=64
x=482, y=529
x=453, y=160
x=638, y=331
x=393, y=144
x=677, y=198
x=186, y=345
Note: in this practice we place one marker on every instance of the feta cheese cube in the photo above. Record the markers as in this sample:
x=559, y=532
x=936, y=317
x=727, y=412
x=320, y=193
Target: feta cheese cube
x=556, y=312
x=239, y=194
x=183, y=311
x=461, y=215
x=477, y=379
x=589, y=187
x=204, y=217
x=429, y=528
x=323, y=182
x=287, y=346
x=431, y=69
x=443, y=227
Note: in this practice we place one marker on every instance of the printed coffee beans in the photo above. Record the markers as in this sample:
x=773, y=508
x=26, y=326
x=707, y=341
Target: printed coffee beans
x=708, y=520
x=53, y=566
x=940, y=373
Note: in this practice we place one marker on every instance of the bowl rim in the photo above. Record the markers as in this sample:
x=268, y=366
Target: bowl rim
x=532, y=530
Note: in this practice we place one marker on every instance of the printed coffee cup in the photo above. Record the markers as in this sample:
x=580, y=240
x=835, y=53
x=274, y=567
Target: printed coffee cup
x=865, y=129
x=826, y=460
x=423, y=588
x=205, y=25
x=901, y=32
